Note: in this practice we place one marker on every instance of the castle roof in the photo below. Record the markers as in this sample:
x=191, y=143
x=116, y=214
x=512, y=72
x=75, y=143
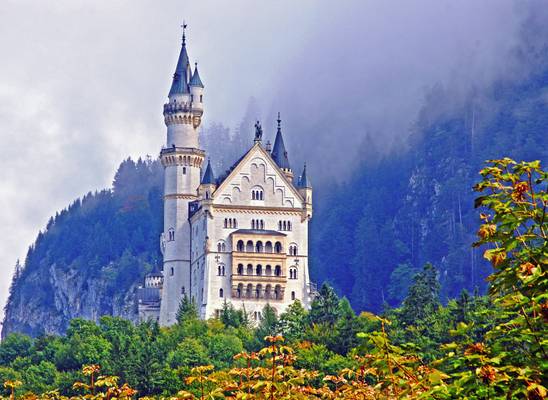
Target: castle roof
x=196, y=81
x=304, y=182
x=148, y=295
x=182, y=73
x=279, y=153
x=208, y=178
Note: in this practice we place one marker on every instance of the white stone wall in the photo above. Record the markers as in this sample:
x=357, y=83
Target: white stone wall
x=280, y=203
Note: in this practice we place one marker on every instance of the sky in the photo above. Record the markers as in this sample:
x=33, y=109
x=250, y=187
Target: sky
x=82, y=83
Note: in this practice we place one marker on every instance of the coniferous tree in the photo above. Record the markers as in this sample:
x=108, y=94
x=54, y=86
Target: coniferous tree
x=423, y=297
x=325, y=307
x=269, y=325
x=187, y=310
x=293, y=321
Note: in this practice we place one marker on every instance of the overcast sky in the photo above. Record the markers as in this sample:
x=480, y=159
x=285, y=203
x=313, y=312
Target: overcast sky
x=82, y=83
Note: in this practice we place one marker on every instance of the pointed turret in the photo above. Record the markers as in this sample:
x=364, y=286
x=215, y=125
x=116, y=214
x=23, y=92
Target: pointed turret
x=182, y=74
x=208, y=178
x=196, y=81
x=279, y=153
x=305, y=189
x=208, y=183
x=304, y=182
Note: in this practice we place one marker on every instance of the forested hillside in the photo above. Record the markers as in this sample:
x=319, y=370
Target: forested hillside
x=91, y=256
x=371, y=234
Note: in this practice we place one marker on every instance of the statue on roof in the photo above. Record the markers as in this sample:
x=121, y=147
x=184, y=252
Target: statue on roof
x=258, y=132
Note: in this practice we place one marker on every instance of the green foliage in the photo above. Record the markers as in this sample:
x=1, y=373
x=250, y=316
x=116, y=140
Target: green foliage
x=187, y=310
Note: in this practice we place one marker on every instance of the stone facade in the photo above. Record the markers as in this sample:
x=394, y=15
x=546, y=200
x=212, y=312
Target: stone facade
x=240, y=238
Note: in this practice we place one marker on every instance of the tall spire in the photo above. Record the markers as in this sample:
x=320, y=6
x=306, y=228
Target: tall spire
x=182, y=74
x=279, y=154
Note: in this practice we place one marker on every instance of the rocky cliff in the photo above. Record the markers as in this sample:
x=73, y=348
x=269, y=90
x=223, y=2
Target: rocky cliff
x=91, y=257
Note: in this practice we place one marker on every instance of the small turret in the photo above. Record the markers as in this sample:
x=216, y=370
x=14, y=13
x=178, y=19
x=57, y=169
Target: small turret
x=196, y=90
x=305, y=189
x=279, y=153
x=208, y=183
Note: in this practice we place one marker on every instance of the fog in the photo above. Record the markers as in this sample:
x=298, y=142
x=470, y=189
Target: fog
x=82, y=83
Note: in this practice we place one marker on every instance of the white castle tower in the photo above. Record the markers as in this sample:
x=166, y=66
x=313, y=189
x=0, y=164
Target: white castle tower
x=182, y=160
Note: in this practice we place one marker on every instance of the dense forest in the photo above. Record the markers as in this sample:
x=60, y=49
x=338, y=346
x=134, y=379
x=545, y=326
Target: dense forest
x=477, y=347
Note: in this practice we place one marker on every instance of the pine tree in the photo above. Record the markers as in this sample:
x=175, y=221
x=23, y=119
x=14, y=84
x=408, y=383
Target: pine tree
x=187, y=310
x=293, y=321
x=325, y=307
x=269, y=325
x=423, y=296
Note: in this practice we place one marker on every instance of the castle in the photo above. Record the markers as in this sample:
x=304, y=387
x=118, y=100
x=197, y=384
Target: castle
x=241, y=237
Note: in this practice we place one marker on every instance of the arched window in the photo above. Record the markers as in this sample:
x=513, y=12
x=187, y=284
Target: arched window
x=268, y=247
x=258, y=291
x=249, y=269
x=268, y=292
x=240, y=290
x=268, y=270
x=293, y=273
x=252, y=224
x=278, y=247
x=171, y=271
x=288, y=225
x=278, y=270
x=226, y=223
x=219, y=247
x=257, y=193
x=279, y=225
x=221, y=292
x=201, y=98
x=171, y=234
x=277, y=292
x=284, y=226
x=184, y=170
x=234, y=223
x=249, y=246
x=249, y=291
x=292, y=295
x=240, y=245
x=259, y=247
x=259, y=270
x=293, y=250
x=262, y=224
x=240, y=269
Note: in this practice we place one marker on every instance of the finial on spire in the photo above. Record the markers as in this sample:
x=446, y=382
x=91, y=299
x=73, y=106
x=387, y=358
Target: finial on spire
x=279, y=121
x=184, y=31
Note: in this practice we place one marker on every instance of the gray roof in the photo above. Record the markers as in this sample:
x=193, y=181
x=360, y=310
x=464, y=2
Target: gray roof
x=208, y=178
x=304, y=182
x=182, y=73
x=259, y=232
x=196, y=81
x=148, y=295
x=279, y=153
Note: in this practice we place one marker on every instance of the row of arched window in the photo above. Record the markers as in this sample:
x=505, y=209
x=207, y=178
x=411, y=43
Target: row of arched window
x=258, y=292
x=284, y=225
x=257, y=224
x=258, y=270
x=258, y=247
x=221, y=270
x=231, y=223
x=257, y=194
